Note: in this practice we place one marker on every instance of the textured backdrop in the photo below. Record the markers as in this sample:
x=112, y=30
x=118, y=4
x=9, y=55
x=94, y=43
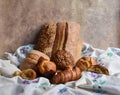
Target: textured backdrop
x=20, y=20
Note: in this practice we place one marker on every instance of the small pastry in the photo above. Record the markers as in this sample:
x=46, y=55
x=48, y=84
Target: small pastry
x=98, y=69
x=17, y=73
x=85, y=62
x=46, y=67
x=63, y=59
x=29, y=74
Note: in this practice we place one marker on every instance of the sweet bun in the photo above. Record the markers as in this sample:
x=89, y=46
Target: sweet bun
x=46, y=67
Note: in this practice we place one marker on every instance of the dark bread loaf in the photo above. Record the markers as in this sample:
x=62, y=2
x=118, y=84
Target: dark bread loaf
x=60, y=36
x=46, y=38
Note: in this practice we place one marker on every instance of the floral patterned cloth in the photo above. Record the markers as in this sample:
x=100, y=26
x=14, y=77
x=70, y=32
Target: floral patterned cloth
x=89, y=84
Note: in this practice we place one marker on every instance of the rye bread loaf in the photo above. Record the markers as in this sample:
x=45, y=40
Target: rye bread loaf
x=46, y=38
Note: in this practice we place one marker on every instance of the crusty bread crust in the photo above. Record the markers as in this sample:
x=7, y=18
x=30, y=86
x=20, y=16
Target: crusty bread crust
x=46, y=38
x=60, y=36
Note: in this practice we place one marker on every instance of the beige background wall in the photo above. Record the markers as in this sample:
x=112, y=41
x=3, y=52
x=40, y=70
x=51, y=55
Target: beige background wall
x=20, y=20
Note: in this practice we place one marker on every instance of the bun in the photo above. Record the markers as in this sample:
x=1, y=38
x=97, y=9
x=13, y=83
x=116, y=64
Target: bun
x=63, y=59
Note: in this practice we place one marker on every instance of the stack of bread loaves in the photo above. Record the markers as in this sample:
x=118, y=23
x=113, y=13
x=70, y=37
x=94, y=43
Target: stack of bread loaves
x=57, y=55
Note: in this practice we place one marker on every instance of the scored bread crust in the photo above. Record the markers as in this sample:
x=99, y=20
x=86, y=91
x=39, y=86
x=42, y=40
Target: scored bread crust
x=60, y=36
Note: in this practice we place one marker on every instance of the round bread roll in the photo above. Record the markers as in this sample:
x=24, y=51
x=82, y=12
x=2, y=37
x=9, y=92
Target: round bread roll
x=63, y=59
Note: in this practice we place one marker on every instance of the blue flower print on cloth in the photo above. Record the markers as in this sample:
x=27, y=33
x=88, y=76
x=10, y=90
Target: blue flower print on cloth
x=116, y=50
x=19, y=54
x=22, y=52
x=62, y=91
x=97, y=81
x=41, y=82
x=111, y=60
x=90, y=80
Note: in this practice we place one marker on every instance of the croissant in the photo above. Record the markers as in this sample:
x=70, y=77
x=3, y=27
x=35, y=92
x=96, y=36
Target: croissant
x=66, y=76
x=85, y=62
x=29, y=74
x=98, y=69
x=26, y=74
